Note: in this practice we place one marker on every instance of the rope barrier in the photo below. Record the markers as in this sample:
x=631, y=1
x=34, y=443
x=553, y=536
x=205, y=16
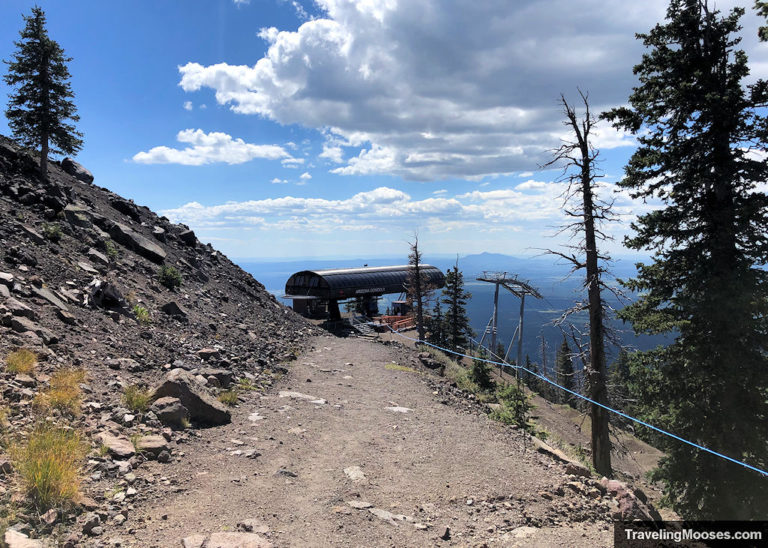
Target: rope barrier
x=585, y=398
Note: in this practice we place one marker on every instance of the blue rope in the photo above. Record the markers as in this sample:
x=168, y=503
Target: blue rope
x=617, y=412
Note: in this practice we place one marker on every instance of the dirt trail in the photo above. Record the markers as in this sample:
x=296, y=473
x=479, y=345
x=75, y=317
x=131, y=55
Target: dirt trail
x=342, y=427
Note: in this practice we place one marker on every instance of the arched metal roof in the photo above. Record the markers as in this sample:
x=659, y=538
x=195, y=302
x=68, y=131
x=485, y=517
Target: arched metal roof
x=353, y=282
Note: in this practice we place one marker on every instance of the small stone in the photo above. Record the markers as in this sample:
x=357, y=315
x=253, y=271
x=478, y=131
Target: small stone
x=355, y=473
x=359, y=504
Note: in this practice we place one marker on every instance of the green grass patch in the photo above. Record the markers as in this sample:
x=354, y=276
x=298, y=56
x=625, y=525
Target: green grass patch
x=142, y=315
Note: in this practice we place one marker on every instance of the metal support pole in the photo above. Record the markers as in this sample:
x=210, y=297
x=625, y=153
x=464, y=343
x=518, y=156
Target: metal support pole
x=495, y=318
x=520, y=340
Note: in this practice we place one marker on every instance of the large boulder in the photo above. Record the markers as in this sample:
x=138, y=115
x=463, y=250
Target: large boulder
x=135, y=241
x=77, y=171
x=203, y=408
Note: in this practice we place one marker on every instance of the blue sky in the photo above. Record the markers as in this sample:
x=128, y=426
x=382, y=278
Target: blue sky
x=291, y=128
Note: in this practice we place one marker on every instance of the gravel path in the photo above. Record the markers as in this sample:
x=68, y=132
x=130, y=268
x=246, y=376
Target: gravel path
x=349, y=451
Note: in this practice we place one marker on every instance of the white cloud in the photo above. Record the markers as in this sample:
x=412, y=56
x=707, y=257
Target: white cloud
x=292, y=162
x=441, y=89
x=278, y=181
x=305, y=176
x=188, y=105
x=208, y=148
x=538, y=204
x=239, y=3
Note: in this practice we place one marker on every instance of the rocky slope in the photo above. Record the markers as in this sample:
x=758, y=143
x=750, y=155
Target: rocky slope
x=80, y=286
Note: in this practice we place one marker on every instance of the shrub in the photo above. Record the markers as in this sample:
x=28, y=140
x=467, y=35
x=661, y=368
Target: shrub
x=480, y=373
x=64, y=391
x=169, y=277
x=228, y=397
x=21, y=361
x=515, y=406
x=111, y=250
x=48, y=463
x=52, y=231
x=246, y=385
x=142, y=315
x=137, y=398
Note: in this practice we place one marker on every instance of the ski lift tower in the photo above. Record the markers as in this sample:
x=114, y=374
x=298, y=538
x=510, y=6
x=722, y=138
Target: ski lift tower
x=519, y=288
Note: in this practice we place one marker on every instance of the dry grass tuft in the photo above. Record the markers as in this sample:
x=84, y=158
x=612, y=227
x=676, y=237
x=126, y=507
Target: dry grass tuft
x=396, y=367
x=64, y=392
x=49, y=465
x=137, y=398
x=21, y=361
x=228, y=397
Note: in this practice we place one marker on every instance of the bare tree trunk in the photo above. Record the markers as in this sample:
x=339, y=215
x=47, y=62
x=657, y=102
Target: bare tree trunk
x=598, y=392
x=588, y=212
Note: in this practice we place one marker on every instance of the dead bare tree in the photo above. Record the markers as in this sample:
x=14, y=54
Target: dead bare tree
x=587, y=213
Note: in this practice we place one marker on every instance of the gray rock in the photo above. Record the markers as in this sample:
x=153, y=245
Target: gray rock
x=4, y=292
x=237, y=540
x=77, y=171
x=188, y=237
x=66, y=317
x=170, y=411
x=194, y=541
x=32, y=234
x=223, y=376
x=152, y=445
x=118, y=446
x=48, y=295
x=6, y=468
x=202, y=407
x=159, y=234
x=97, y=257
x=138, y=243
x=77, y=216
x=6, y=279
x=22, y=325
x=17, y=308
x=91, y=522
x=15, y=539
x=173, y=309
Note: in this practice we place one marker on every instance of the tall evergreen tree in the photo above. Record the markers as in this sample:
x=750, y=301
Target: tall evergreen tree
x=39, y=110
x=436, y=326
x=457, y=329
x=698, y=128
x=564, y=371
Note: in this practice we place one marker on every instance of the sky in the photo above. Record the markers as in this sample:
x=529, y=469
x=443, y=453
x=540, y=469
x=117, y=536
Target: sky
x=339, y=128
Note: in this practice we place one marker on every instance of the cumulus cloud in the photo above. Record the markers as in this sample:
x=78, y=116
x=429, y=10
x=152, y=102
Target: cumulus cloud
x=441, y=89
x=188, y=105
x=208, y=148
x=528, y=205
x=305, y=176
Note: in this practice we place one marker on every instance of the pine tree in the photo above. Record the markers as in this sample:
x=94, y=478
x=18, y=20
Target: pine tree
x=418, y=287
x=700, y=132
x=480, y=372
x=564, y=371
x=457, y=329
x=436, y=326
x=39, y=109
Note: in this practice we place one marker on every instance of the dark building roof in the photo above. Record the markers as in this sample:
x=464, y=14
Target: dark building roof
x=353, y=282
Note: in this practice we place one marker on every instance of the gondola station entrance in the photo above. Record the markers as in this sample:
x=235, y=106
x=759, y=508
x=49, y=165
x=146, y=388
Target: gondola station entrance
x=317, y=293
